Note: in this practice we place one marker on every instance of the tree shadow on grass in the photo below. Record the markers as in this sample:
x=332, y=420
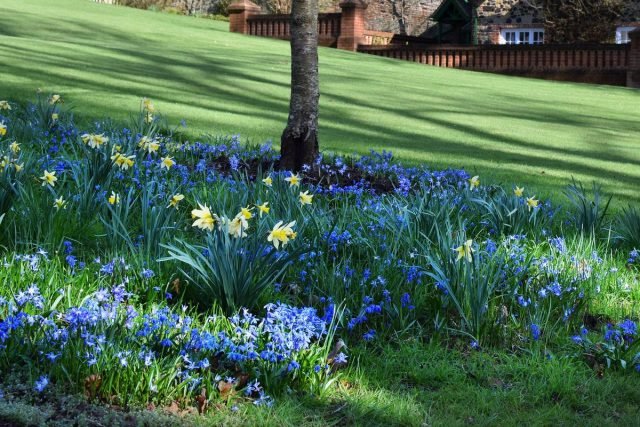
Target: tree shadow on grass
x=222, y=81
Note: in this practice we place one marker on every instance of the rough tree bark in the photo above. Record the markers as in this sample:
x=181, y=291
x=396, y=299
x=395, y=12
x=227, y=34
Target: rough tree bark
x=299, y=141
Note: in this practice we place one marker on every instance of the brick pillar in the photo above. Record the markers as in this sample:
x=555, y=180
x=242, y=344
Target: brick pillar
x=352, y=24
x=238, y=14
x=633, y=73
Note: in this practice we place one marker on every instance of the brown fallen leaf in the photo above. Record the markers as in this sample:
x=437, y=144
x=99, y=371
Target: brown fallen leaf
x=202, y=401
x=175, y=286
x=226, y=389
x=91, y=386
x=173, y=408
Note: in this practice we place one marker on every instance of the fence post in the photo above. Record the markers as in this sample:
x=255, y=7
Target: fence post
x=352, y=24
x=633, y=73
x=238, y=13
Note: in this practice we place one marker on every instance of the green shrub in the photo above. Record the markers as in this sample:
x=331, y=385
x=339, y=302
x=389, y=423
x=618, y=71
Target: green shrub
x=468, y=277
x=233, y=272
x=627, y=227
x=587, y=214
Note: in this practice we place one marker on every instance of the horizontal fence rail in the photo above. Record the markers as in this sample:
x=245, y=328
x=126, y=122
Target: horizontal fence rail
x=278, y=26
x=511, y=57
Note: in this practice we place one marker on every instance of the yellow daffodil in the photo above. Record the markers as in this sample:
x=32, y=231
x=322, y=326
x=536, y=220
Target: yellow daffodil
x=532, y=203
x=59, y=203
x=4, y=161
x=268, y=181
x=205, y=220
x=122, y=161
x=175, y=199
x=263, y=208
x=127, y=162
x=54, y=117
x=18, y=167
x=148, y=118
x=15, y=147
x=99, y=139
x=237, y=226
x=4, y=105
x=94, y=140
x=282, y=234
x=114, y=198
x=149, y=145
x=49, y=178
x=474, y=182
x=55, y=99
x=148, y=105
x=3, y=129
x=306, y=198
x=465, y=251
x=246, y=213
x=294, y=179
x=519, y=191
x=166, y=162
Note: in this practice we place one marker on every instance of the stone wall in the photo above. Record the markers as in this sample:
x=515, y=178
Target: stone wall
x=493, y=15
x=411, y=17
x=386, y=15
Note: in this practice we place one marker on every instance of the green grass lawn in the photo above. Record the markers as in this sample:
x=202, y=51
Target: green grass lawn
x=104, y=58
x=410, y=385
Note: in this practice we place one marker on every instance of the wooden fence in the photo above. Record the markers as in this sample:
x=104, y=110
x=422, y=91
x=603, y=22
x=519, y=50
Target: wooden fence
x=510, y=57
x=277, y=26
x=598, y=63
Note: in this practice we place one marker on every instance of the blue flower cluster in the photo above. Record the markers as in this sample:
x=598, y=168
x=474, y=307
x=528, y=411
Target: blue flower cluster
x=86, y=334
x=616, y=347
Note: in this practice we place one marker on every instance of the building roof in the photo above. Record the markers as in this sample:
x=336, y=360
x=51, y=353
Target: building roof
x=452, y=11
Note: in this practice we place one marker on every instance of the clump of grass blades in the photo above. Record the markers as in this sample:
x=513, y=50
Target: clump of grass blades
x=588, y=214
x=627, y=227
x=229, y=271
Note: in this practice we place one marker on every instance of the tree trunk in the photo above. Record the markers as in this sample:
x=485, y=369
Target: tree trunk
x=299, y=142
x=397, y=10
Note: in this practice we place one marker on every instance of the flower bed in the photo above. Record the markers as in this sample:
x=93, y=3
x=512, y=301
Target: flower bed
x=159, y=270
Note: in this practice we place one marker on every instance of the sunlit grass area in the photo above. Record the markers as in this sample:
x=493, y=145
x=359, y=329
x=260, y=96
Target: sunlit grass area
x=103, y=59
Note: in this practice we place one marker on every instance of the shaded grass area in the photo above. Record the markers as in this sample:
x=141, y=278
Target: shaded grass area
x=412, y=384
x=539, y=134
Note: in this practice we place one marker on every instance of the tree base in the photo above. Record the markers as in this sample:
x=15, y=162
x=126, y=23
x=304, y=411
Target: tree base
x=298, y=147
